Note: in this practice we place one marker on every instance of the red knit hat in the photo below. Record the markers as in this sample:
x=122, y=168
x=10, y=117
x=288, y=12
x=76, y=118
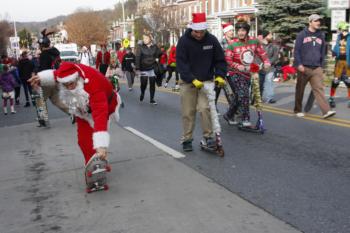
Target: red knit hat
x=199, y=21
x=227, y=27
x=69, y=72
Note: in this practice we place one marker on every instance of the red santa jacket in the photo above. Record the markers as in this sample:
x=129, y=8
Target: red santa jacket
x=106, y=59
x=103, y=100
x=243, y=53
x=172, y=55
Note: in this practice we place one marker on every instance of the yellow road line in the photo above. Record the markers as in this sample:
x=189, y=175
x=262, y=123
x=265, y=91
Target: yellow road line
x=279, y=111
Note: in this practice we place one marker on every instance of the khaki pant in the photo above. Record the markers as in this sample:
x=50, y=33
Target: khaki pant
x=315, y=77
x=193, y=100
x=52, y=93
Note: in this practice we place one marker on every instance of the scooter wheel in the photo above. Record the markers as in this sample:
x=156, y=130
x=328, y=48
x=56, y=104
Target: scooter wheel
x=88, y=190
x=105, y=187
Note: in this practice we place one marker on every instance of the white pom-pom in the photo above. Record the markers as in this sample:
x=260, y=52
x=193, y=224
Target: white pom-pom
x=86, y=80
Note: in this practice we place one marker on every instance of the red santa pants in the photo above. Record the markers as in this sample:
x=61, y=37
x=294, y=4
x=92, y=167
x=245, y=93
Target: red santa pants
x=85, y=138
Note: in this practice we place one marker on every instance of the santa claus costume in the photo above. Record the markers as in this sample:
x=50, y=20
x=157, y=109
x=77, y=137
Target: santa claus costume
x=93, y=102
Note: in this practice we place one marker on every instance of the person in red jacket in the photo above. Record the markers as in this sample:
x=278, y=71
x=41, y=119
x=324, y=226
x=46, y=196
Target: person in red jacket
x=172, y=67
x=90, y=98
x=163, y=60
x=103, y=60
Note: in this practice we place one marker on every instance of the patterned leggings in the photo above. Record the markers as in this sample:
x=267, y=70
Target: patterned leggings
x=240, y=104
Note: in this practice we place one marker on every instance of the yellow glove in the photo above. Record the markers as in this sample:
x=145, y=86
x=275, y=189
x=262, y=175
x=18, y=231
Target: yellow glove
x=198, y=84
x=220, y=81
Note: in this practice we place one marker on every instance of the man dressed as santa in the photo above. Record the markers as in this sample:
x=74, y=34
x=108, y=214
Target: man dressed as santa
x=90, y=98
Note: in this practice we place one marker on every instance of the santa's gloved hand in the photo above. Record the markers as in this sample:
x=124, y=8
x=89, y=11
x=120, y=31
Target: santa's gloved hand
x=220, y=81
x=198, y=84
x=102, y=153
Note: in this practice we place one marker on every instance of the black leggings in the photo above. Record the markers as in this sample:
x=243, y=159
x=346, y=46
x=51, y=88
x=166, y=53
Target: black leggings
x=152, y=86
x=170, y=74
x=17, y=92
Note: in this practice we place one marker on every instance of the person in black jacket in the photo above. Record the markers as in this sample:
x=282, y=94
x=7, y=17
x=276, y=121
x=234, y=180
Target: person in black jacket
x=199, y=59
x=25, y=70
x=128, y=66
x=147, y=54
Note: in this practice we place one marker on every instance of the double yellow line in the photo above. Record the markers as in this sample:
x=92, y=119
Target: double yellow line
x=281, y=111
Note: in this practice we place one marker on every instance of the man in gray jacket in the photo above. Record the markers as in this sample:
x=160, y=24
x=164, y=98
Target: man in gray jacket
x=272, y=53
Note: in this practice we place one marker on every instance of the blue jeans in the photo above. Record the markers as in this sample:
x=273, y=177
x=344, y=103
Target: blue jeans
x=269, y=86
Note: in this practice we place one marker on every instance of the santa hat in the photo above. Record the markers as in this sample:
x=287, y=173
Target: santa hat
x=69, y=72
x=199, y=22
x=227, y=27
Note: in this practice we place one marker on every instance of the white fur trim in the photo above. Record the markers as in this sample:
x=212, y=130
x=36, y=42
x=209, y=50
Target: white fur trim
x=199, y=26
x=100, y=139
x=69, y=78
x=47, y=78
x=228, y=28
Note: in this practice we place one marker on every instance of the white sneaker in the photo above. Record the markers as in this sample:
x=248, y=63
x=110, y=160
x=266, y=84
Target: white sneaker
x=329, y=114
x=246, y=124
x=165, y=85
x=300, y=114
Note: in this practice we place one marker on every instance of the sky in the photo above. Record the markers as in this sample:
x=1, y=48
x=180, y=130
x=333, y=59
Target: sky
x=41, y=10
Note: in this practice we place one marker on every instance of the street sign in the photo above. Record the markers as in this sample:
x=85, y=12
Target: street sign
x=338, y=4
x=337, y=16
x=126, y=43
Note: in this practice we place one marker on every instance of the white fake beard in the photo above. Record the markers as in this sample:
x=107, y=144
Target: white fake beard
x=77, y=99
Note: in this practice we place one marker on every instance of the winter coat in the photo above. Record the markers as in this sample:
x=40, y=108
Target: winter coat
x=336, y=49
x=25, y=69
x=128, y=62
x=172, y=55
x=200, y=60
x=47, y=58
x=146, y=57
x=310, y=49
x=7, y=82
x=105, y=59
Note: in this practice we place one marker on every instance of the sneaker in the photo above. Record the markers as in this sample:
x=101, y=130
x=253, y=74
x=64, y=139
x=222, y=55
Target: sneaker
x=13, y=112
x=329, y=114
x=27, y=105
x=165, y=85
x=17, y=102
x=153, y=102
x=177, y=87
x=271, y=101
x=187, y=146
x=300, y=114
x=331, y=102
x=246, y=124
x=229, y=121
x=141, y=97
x=130, y=88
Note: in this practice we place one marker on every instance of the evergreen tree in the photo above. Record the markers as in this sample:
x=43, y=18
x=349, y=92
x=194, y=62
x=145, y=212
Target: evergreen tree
x=288, y=17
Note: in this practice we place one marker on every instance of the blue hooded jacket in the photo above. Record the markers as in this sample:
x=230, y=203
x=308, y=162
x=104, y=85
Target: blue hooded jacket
x=336, y=49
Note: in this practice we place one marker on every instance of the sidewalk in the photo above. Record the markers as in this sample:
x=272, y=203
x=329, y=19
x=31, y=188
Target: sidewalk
x=42, y=189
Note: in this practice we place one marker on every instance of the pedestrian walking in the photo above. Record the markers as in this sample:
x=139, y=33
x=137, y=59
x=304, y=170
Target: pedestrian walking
x=8, y=84
x=171, y=68
x=309, y=58
x=25, y=70
x=341, y=51
x=85, y=56
x=272, y=52
x=128, y=66
x=200, y=59
x=147, y=54
x=103, y=59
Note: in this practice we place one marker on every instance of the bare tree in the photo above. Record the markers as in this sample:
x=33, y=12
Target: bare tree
x=5, y=32
x=86, y=27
